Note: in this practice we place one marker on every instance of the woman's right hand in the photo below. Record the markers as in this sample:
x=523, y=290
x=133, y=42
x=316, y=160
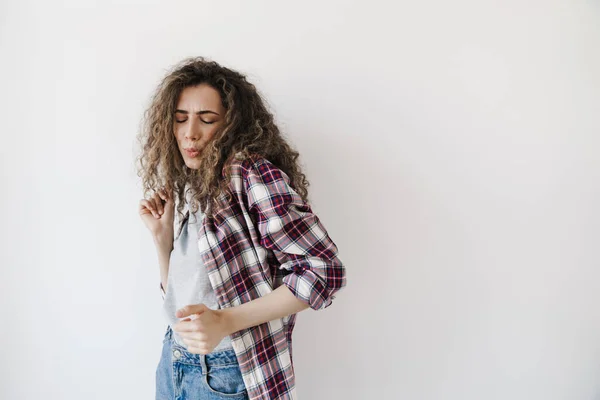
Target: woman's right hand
x=158, y=217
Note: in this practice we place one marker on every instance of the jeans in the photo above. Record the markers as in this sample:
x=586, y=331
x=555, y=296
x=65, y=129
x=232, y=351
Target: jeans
x=181, y=375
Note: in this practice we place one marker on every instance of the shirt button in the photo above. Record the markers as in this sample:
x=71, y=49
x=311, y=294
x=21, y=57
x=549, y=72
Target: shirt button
x=176, y=354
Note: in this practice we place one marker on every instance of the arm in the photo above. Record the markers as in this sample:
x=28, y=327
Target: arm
x=164, y=255
x=288, y=227
x=277, y=304
x=162, y=291
x=216, y=324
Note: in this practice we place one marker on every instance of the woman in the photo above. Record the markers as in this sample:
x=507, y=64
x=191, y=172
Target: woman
x=248, y=253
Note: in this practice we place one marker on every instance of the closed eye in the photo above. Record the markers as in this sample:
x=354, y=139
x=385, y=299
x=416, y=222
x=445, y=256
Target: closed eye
x=206, y=122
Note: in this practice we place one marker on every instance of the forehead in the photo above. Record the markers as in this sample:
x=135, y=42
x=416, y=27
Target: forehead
x=198, y=98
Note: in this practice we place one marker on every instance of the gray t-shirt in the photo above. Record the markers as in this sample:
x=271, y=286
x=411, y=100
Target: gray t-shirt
x=187, y=281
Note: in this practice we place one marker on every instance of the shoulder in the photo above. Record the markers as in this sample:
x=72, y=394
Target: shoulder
x=255, y=167
x=257, y=179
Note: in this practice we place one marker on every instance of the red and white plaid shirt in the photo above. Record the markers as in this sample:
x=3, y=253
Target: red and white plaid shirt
x=264, y=237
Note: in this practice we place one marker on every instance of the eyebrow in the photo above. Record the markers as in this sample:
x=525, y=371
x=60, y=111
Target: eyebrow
x=199, y=112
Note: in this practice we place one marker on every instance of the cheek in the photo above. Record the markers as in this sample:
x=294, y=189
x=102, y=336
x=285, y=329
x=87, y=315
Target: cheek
x=177, y=135
x=212, y=133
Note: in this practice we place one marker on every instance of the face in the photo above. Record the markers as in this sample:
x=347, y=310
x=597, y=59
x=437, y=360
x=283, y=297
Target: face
x=198, y=116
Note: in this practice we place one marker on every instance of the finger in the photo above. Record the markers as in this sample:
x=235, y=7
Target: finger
x=169, y=204
x=159, y=204
x=163, y=195
x=190, y=309
x=156, y=203
x=143, y=209
x=155, y=206
x=186, y=326
x=198, y=336
x=185, y=335
x=166, y=195
x=163, y=199
x=147, y=205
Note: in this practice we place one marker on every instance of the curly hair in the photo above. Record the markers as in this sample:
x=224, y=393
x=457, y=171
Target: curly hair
x=248, y=128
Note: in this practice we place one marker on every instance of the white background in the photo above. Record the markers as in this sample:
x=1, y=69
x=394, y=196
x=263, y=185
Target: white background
x=452, y=149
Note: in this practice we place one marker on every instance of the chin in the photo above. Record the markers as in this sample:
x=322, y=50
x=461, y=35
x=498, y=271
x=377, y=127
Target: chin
x=192, y=164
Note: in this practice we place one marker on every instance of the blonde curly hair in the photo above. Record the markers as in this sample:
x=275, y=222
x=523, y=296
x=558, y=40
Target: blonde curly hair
x=248, y=128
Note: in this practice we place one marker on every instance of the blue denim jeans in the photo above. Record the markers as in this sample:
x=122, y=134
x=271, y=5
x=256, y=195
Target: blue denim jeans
x=182, y=375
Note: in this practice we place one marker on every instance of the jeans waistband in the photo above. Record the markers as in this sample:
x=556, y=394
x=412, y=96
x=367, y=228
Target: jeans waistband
x=216, y=358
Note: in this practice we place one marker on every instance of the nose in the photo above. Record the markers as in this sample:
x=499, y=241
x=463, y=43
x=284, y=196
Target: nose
x=192, y=131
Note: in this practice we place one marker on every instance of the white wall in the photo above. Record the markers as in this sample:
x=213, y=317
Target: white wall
x=452, y=149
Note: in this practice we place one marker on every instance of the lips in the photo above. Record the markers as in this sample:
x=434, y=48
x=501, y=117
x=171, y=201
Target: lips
x=192, y=152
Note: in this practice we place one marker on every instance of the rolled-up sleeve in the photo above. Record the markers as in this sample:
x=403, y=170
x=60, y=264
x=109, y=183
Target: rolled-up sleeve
x=294, y=234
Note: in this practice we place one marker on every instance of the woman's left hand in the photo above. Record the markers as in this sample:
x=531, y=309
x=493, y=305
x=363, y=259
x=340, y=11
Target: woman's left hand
x=203, y=331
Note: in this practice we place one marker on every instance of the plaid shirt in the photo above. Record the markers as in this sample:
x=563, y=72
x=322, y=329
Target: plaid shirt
x=264, y=237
